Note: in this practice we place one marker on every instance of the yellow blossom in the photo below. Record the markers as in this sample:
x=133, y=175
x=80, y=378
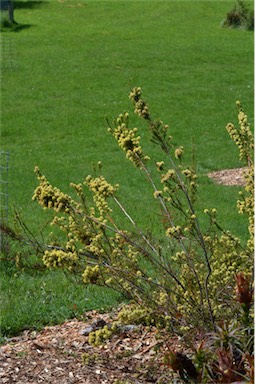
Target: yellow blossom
x=167, y=176
x=178, y=152
x=157, y=194
x=160, y=165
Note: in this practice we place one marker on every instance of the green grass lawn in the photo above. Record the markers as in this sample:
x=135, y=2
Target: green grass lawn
x=30, y=301
x=69, y=64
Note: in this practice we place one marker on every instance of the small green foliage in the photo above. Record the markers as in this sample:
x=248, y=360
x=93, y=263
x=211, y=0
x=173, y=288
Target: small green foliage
x=99, y=336
x=6, y=25
x=89, y=358
x=21, y=354
x=135, y=314
x=240, y=17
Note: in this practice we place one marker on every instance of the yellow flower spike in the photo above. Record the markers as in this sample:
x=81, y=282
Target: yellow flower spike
x=167, y=176
x=178, y=152
x=56, y=258
x=174, y=231
x=128, y=141
x=160, y=165
x=157, y=194
x=187, y=172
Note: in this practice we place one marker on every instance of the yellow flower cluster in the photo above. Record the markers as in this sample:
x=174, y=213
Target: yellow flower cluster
x=163, y=298
x=157, y=194
x=100, y=186
x=190, y=174
x=174, y=231
x=178, y=152
x=134, y=314
x=128, y=140
x=132, y=256
x=191, y=177
x=102, y=190
x=135, y=94
x=56, y=258
x=95, y=245
x=170, y=175
x=49, y=196
x=242, y=136
x=225, y=262
x=78, y=188
x=91, y=275
x=123, y=252
x=245, y=205
x=160, y=165
x=141, y=107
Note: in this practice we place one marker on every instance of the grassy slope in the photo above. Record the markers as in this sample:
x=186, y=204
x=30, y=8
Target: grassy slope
x=74, y=63
x=32, y=301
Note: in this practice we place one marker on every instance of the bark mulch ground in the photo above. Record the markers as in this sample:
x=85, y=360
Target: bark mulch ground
x=62, y=354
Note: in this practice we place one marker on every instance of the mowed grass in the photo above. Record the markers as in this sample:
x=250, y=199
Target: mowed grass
x=70, y=64
x=31, y=301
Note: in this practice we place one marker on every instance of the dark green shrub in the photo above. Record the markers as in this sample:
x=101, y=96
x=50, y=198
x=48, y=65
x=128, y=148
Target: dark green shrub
x=240, y=17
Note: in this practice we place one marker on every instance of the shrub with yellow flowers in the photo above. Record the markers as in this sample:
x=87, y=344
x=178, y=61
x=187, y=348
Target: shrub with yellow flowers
x=184, y=286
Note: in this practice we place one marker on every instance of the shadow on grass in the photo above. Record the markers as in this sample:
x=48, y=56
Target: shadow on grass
x=8, y=26
x=20, y=27
x=14, y=27
x=28, y=4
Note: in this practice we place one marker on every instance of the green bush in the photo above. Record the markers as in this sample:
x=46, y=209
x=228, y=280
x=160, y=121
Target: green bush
x=240, y=17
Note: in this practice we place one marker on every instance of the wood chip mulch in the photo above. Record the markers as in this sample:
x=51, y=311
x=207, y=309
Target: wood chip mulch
x=62, y=354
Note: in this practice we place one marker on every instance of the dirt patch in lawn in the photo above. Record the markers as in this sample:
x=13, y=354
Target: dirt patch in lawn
x=229, y=176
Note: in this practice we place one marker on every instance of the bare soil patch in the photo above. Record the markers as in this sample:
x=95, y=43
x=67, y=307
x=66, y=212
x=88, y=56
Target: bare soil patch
x=229, y=176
